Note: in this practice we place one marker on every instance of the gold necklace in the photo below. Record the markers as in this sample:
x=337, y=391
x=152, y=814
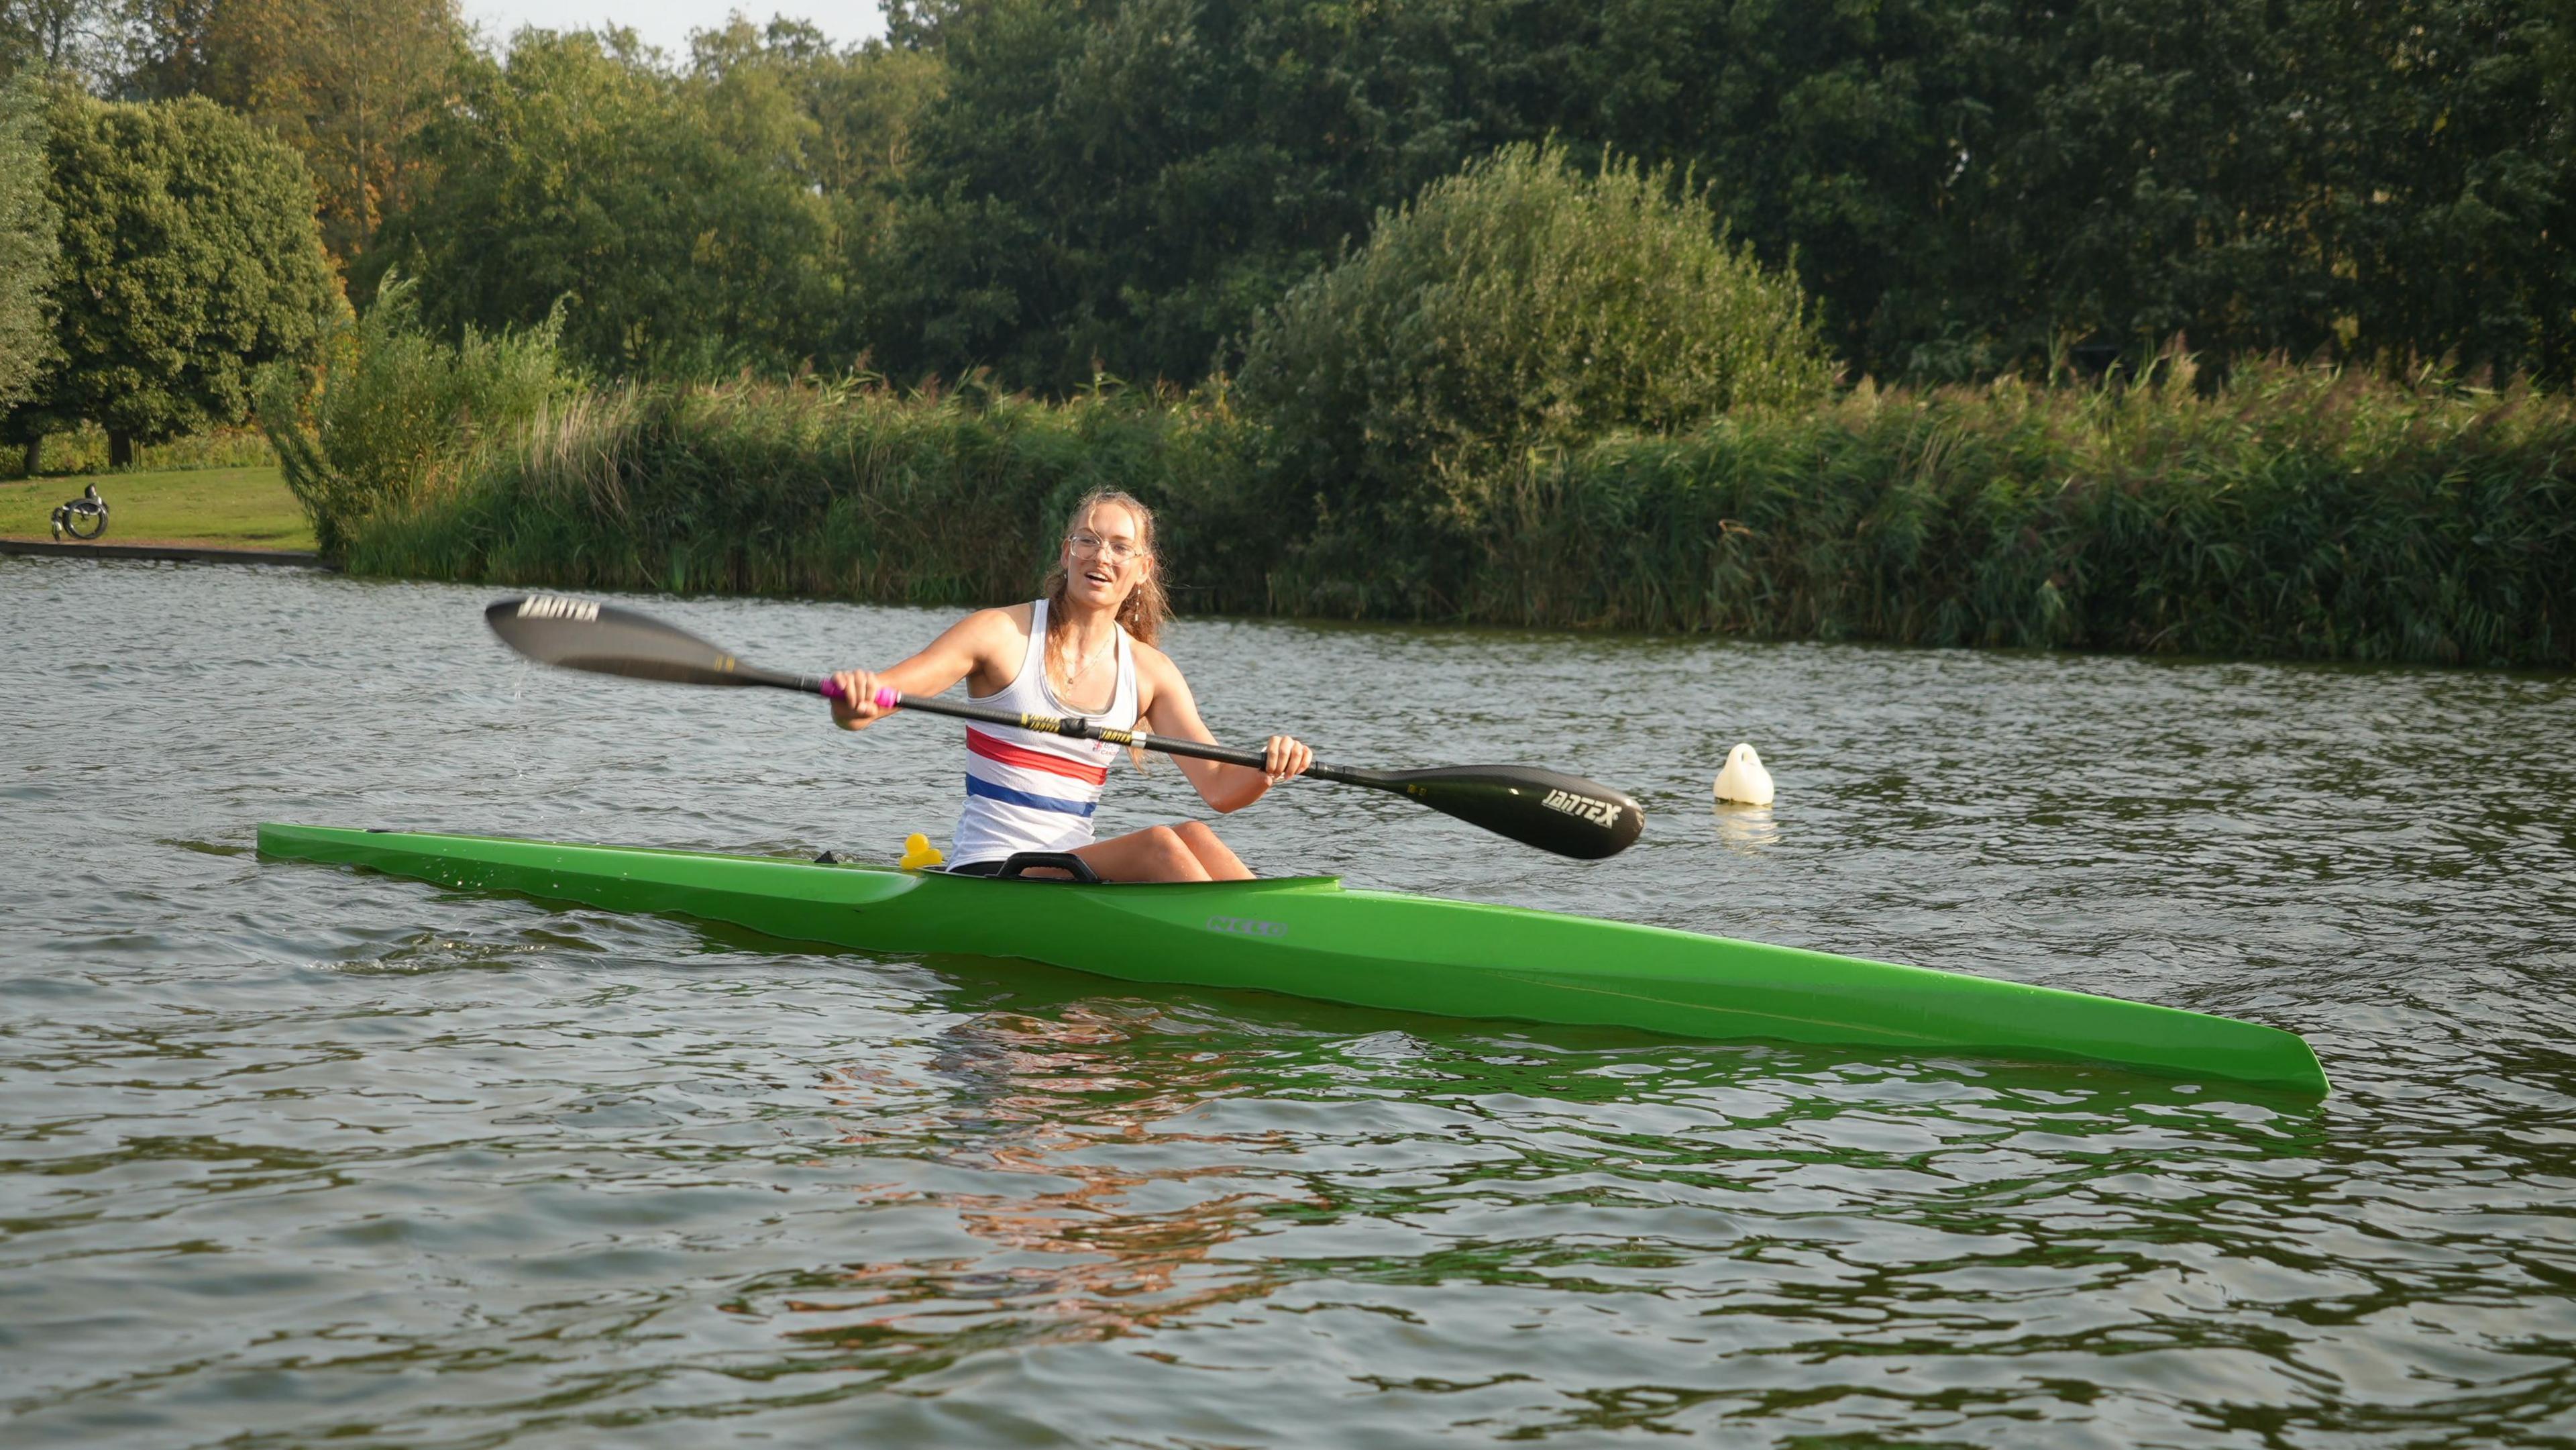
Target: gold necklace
x=1096, y=656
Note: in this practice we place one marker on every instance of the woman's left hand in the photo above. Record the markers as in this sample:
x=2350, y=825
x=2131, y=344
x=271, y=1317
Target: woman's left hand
x=1289, y=758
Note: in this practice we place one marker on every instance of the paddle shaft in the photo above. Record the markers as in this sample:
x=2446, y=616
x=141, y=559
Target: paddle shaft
x=1072, y=727
x=1548, y=809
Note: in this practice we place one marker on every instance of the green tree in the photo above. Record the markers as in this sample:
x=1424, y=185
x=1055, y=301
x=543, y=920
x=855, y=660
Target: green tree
x=189, y=258
x=1967, y=185
x=347, y=83
x=75, y=38
x=670, y=214
x=864, y=104
x=1972, y=186
x=2450, y=196
x=27, y=247
x=1128, y=183
x=1849, y=135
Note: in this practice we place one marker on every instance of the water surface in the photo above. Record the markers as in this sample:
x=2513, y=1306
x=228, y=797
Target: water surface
x=290, y=1153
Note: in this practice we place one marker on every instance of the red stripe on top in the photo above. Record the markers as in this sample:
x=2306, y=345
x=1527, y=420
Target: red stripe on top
x=994, y=748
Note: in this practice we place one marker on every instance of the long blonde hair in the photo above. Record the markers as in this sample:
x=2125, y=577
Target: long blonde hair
x=1147, y=608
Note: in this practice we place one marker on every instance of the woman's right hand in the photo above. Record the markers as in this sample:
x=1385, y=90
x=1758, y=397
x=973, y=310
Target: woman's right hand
x=854, y=698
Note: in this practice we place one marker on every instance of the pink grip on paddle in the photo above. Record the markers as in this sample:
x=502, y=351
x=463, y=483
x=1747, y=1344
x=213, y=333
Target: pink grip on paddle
x=886, y=697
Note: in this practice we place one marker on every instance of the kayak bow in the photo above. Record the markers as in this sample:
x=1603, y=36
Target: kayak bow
x=1308, y=936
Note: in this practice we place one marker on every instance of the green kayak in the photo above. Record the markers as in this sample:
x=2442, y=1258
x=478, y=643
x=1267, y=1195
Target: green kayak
x=1307, y=936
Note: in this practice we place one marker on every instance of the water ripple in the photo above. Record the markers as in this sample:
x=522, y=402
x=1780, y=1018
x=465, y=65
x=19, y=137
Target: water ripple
x=292, y=1154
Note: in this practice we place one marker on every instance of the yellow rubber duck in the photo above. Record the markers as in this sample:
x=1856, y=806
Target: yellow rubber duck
x=919, y=854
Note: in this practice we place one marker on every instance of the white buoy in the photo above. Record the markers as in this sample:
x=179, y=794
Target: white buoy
x=1744, y=780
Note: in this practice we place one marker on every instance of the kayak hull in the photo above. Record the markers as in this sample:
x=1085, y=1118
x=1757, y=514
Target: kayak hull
x=1310, y=937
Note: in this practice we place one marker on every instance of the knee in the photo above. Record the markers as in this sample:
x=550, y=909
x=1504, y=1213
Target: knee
x=1170, y=857
x=1192, y=833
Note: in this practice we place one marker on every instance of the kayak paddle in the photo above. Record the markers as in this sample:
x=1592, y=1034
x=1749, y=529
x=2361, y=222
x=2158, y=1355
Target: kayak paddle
x=1553, y=811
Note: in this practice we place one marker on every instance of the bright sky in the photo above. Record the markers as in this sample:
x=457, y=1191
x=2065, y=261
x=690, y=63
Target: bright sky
x=667, y=23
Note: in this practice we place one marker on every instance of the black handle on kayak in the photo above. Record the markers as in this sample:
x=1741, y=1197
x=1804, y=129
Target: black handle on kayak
x=1548, y=809
x=1066, y=861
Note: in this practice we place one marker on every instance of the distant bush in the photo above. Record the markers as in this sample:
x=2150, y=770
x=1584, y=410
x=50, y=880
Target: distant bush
x=1519, y=304
x=84, y=451
x=391, y=407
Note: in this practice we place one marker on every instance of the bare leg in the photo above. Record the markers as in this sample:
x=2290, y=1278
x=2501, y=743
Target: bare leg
x=1220, y=863
x=1156, y=853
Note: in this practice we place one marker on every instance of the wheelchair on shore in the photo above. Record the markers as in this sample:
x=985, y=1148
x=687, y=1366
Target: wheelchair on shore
x=84, y=517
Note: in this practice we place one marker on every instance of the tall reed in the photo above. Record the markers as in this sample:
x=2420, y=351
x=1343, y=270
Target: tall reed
x=2294, y=513
x=846, y=490
x=392, y=413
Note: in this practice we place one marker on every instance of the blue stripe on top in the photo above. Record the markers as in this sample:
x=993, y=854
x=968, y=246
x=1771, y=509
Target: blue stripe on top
x=1010, y=797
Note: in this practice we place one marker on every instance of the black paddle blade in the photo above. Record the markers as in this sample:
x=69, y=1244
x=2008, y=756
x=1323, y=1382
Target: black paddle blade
x=579, y=634
x=1544, y=808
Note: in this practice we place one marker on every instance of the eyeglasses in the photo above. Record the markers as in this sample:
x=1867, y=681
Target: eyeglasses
x=1116, y=551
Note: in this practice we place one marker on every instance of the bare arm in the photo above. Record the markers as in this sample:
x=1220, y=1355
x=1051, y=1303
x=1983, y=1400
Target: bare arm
x=982, y=644
x=1168, y=708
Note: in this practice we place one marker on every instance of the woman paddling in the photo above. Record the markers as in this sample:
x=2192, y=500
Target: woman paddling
x=1086, y=649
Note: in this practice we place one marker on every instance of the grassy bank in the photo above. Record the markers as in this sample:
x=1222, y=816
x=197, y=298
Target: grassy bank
x=241, y=508
x=2292, y=514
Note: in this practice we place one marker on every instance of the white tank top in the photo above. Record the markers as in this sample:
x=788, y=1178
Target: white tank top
x=1027, y=791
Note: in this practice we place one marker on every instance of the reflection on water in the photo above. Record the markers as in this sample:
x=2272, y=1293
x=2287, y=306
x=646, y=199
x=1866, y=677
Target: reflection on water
x=1746, y=828
x=1098, y=1248
x=291, y=1153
